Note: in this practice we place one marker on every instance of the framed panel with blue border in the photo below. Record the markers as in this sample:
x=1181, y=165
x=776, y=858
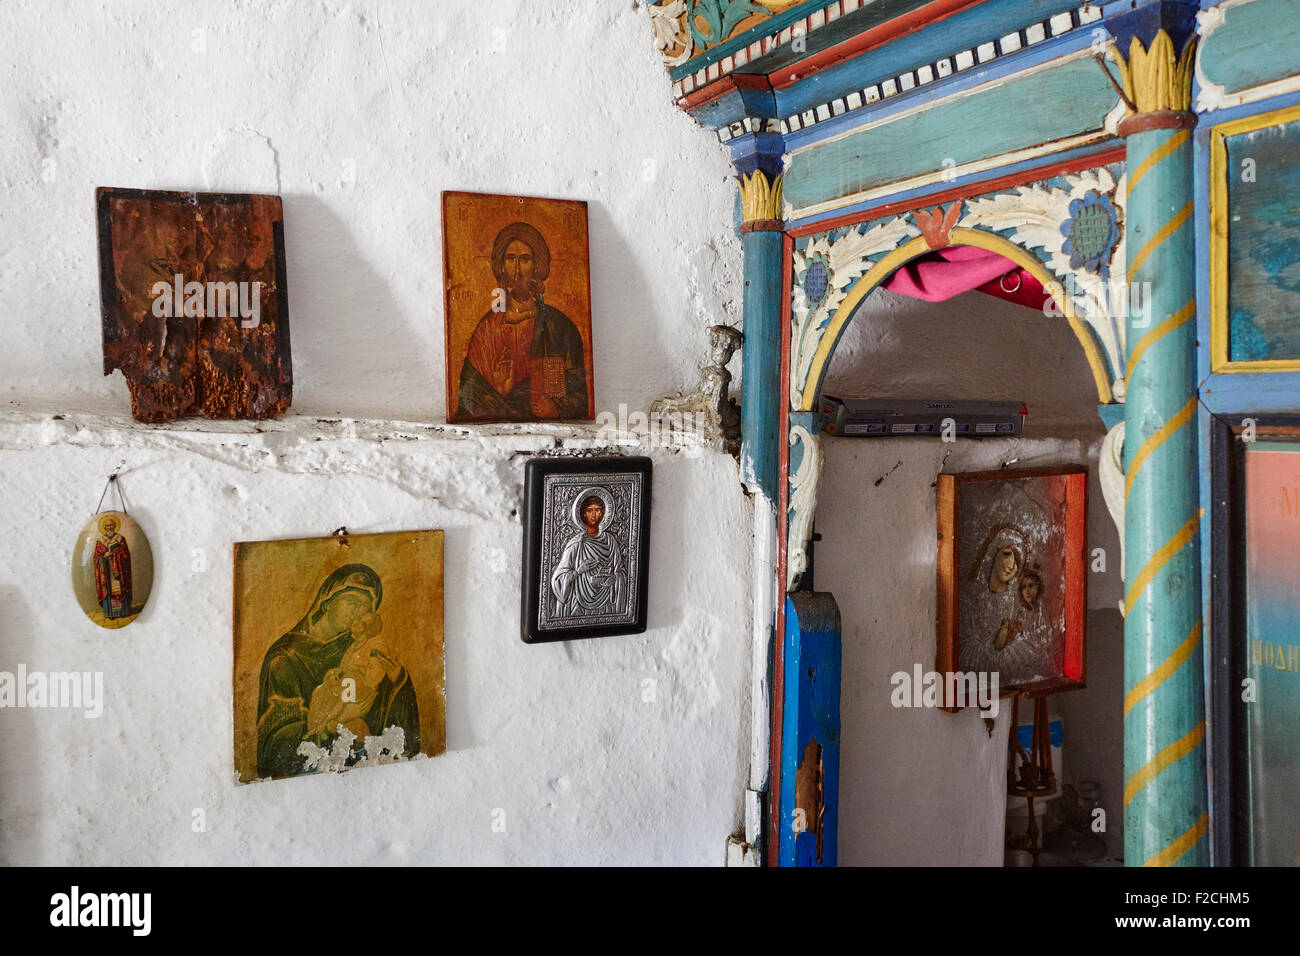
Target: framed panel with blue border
x=1255, y=243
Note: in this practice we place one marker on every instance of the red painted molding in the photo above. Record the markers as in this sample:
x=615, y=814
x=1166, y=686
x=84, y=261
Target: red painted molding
x=794, y=72
x=1159, y=119
x=869, y=39
x=721, y=87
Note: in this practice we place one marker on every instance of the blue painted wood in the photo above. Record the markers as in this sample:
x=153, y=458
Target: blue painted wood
x=765, y=28
x=751, y=151
x=868, y=17
x=957, y=182
x=999, y=70
x=1238, y=393
x=735, y=105
x=1258, y=393
x=961, y=31
x=1111, y=415
x=1256, y=44
x=811, y=711
x=1145, y=18
x=760, y=405
x=1050, y=105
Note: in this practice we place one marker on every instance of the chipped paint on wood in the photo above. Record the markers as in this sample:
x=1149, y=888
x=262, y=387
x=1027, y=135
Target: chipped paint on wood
x=810, y=753
x=194, y=302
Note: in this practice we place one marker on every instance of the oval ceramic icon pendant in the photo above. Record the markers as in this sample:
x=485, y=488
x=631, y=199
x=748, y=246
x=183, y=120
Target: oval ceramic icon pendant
x=112, y=569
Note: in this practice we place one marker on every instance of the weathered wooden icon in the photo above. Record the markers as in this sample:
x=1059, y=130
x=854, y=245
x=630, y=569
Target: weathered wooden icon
x=194, y=302
x=517, y=283
x=1011, y=577
x=338, y=653
x=112, y=569
x=586, y=547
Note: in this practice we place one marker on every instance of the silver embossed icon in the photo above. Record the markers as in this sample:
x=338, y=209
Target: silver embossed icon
x=591, y=577
x=586, y=547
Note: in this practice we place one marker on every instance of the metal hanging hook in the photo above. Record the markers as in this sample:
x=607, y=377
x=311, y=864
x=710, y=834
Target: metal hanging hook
x=113, y=483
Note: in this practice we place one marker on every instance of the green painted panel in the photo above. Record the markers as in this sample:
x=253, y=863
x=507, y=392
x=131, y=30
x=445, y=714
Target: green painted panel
x=1058, y=102
x=1264, y=245
x=1255, y=44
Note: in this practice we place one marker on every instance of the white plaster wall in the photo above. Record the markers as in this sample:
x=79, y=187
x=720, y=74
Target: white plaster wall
x=565, y=99
x=922, y=786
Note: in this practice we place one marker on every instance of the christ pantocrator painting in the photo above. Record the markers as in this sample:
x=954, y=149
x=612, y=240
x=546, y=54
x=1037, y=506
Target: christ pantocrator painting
x=517, y=288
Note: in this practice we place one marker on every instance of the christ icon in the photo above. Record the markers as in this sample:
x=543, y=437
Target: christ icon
x=525, y=359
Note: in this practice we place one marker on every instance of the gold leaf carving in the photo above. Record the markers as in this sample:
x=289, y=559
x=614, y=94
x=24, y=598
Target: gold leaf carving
x=1156, y=79
x=760, y=198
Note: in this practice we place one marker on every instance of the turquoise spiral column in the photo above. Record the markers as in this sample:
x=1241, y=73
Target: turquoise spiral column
x=1165, y=790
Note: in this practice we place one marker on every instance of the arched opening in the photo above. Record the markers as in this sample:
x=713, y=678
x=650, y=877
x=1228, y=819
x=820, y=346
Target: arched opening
x=909, y=251
x=876, y=518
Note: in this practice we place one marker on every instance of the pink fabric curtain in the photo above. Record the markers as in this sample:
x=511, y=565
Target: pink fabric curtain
x=949, y=272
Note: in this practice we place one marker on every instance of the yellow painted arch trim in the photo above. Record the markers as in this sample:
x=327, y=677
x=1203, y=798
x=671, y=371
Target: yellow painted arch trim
x=1170, y=755
x=960, y=236
x=1170, y=854
x=1158, y=676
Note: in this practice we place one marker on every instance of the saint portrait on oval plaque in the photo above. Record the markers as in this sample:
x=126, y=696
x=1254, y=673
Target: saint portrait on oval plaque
x=112, y=569
x=586, y=547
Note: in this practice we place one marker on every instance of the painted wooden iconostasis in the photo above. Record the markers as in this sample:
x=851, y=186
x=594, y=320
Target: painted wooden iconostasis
x=1134, y=163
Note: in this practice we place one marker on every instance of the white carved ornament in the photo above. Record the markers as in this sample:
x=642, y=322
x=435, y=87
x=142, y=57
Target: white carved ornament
x=803, y=503
x=671, y=31
x=1034, y=214
x=1110, y=472
x=846, y=259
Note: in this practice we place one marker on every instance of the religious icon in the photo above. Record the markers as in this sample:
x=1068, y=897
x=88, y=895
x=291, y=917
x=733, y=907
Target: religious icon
x=112, y=569
x=194, y=302
x=1011, y=577
x=586, y=547
x=338, y=653
x=518, y=309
